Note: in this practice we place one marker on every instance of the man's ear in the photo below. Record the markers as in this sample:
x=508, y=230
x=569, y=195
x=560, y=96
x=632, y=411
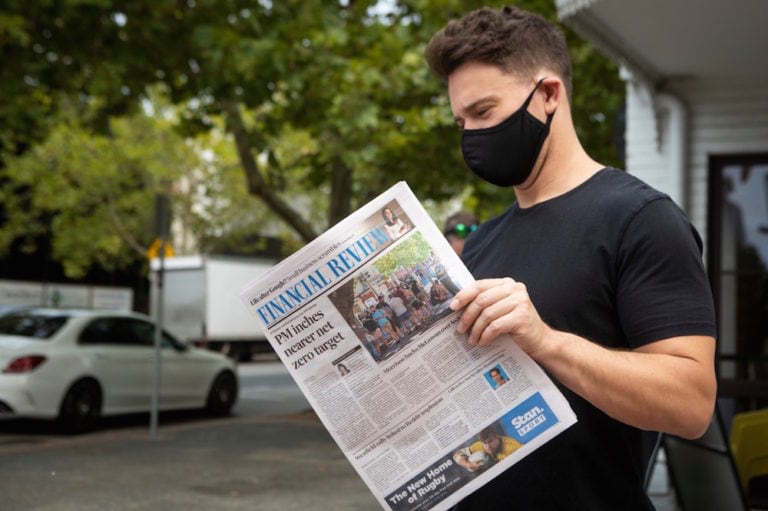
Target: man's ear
x=553, y=89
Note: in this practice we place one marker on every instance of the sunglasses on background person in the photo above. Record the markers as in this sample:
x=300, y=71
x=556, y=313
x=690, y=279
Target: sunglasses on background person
x=461, y=230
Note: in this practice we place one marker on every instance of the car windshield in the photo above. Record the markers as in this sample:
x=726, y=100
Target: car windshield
x=30, y=325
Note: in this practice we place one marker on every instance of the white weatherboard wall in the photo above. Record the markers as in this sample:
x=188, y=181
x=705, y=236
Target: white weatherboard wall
x=721, y=118
x=656, y=139
x=727, y=117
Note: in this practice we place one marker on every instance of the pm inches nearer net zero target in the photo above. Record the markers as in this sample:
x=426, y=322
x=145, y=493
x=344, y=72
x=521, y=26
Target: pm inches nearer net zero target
x=360, y=317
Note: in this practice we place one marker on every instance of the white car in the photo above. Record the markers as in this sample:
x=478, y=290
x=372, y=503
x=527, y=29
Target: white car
x=77, y=365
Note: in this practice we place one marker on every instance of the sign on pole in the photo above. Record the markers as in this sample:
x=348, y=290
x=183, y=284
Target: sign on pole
x=162, y=224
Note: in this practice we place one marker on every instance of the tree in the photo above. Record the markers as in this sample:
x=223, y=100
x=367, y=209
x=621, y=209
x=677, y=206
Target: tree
x=415, y=250
x=92, y=195
x=334, y=96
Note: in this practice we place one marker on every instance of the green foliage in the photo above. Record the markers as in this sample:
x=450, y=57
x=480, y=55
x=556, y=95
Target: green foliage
x=92, y=195
x=334, y=97
x=406, y=255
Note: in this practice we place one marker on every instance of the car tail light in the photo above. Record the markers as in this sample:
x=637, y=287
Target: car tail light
x=24, y=364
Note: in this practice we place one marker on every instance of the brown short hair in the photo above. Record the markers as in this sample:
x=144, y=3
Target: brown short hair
x=514, y=40
x=460, y=217
x=487, y=434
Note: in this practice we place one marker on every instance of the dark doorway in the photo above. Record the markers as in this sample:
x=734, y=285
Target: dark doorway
x=738, y=267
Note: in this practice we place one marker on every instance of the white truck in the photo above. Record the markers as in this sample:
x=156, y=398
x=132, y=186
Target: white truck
x=201, y=302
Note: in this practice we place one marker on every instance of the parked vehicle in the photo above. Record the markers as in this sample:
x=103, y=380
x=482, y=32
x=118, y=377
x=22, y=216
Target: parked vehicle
x=201, y=302
x=75, y=365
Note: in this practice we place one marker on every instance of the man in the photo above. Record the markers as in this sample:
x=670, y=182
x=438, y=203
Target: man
x=488, y=441
x=594, y=274
x=498, y=378
x=457, y=227
x=401, y=311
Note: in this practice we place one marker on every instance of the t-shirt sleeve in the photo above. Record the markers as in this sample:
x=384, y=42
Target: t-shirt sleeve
x=662, y=288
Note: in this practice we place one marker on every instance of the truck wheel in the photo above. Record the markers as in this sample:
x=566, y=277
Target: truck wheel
x=245, y=353
x=81, y=407
x=222, y=395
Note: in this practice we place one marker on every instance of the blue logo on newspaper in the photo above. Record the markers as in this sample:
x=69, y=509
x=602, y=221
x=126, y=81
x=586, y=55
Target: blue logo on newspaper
x=529, y=419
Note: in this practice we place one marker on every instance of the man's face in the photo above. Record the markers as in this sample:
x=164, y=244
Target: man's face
x=497, y=377
x=482, y=96
x=492, y=445
x=456, y=243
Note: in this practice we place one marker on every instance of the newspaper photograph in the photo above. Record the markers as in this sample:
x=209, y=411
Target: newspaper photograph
x=361, y=319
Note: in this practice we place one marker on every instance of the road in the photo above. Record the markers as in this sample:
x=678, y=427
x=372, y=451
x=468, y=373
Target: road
x=266, y=389
x=272, y=454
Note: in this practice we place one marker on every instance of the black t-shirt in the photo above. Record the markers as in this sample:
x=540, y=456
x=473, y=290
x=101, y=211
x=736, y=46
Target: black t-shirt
x=618, y=263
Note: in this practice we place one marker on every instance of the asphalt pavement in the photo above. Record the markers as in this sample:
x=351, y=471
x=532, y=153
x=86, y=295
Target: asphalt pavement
x=272, y=454
x=284, y=461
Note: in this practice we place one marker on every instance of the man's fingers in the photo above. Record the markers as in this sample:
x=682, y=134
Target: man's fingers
x=471, y=291
x=489, y=301
x=466, y=295
x=494, y=319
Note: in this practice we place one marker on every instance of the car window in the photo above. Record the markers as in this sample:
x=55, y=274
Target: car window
x=115, y=331
x=142, y=332
x=99, y=331
x=31, y=325
x=124, y=332
x=170, y=341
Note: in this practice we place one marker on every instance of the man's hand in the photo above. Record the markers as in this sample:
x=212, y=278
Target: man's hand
x=668, y=385
x=496, y=306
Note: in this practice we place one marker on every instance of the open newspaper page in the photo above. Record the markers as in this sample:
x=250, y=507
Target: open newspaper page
x=360, y=317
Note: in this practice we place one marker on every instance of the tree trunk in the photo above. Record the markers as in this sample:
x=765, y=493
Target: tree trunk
x=341, y=192
x=257, y=185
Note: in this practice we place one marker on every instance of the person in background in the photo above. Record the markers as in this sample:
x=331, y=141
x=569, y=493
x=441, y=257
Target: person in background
x=457, y=227
x=438, y=293
x=375, y=333
x=382, y=319
x=593, y=273
x=401, y=311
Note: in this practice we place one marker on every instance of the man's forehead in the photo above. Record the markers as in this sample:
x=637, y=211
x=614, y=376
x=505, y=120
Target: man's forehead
x=475, y=82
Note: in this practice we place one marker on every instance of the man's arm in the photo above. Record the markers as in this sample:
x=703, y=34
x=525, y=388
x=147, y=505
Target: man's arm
x=667, y=386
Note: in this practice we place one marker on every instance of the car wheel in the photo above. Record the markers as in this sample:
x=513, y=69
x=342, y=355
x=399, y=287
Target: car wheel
x=223, y=394
x=81, y=407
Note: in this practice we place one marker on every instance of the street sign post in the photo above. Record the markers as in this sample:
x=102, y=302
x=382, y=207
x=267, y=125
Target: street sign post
x=162, y=228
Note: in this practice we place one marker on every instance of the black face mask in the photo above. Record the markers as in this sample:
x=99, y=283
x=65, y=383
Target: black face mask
x=505, y=154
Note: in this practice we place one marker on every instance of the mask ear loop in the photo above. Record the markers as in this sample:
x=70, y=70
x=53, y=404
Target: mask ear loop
x=530, y=96
x=546, y=125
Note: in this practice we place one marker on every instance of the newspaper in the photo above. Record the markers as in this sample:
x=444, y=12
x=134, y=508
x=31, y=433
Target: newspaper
x=404, y=395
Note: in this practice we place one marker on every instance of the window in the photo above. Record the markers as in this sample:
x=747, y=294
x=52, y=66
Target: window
x=738, y=265
x=97, y=332
x=124, y=332
x=118, y=331
x=31, y=325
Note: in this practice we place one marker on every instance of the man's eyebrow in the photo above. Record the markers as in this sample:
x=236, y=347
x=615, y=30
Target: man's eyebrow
x=479, y=101
x=474, y=105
